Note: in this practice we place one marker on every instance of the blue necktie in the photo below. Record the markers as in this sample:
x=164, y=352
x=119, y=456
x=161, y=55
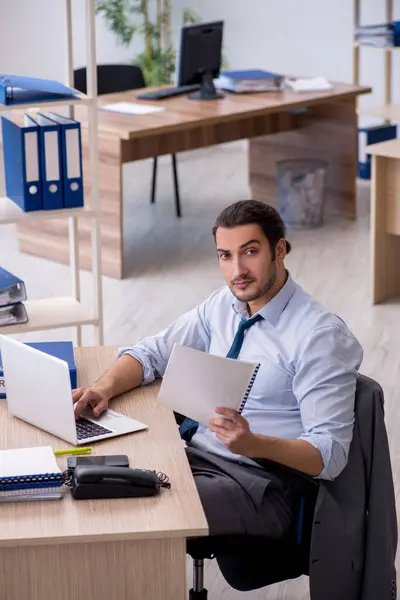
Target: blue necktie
x=188, y=428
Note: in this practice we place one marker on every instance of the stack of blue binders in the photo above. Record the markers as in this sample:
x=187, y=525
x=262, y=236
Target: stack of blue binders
x=43, y=161
x=12, y=295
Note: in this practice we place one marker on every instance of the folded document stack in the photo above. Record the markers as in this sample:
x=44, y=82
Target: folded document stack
x=381, y=35
x=250, y=80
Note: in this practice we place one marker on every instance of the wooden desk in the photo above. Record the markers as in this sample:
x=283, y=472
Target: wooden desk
x=385, y=220
x=124, y=549
x=328, y=129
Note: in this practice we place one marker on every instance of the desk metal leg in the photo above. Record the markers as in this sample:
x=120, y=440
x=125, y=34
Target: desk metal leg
x=123, y=570
x=385, y=228
x=154, y=180
x=176, y=186
x=327, y=131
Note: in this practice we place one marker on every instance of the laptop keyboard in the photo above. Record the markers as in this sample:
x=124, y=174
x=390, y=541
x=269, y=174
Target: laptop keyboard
x=88, y=429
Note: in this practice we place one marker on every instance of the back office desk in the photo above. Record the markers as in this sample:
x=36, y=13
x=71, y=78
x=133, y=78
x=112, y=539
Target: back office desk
x=328, y=129
x=103, y=549
x=385, y=221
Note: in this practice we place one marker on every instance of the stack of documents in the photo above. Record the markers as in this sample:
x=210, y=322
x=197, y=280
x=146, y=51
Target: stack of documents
x=132, y=108
x=43, y=161
x=12, y=294
x=250, y=80
x=309, y=84
x=381, y=35
x=29, y=474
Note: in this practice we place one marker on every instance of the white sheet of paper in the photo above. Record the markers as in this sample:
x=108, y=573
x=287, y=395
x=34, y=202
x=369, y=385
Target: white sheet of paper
x=196, y=382
x=313, y=84
x=132, y=108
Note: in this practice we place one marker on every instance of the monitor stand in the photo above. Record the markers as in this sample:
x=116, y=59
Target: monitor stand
x=207, y=89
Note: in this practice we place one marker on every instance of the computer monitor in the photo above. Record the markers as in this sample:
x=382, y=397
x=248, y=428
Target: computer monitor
x=199, y=58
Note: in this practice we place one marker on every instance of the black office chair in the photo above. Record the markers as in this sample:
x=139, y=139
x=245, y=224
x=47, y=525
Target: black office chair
x=252, y=562
x=249, y=562
x=122, y=78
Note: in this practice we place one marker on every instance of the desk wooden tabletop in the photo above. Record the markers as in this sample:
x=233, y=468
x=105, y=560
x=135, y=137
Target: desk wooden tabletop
x=182, y=113
x=173, y=513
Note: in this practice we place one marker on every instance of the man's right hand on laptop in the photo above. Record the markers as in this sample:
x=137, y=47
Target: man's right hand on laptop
x=89, y=396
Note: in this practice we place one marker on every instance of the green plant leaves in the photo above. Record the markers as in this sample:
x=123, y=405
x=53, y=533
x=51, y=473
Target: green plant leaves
x=116, y=13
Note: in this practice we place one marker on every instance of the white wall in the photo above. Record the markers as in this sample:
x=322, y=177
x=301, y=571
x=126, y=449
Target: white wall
x=312, y=37
x=32, y=39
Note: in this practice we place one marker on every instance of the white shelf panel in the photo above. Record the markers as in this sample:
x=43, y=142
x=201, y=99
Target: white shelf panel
x=11, y=213
x=86, y=100
x=390, y=112
x=385, y=48
x=52, y=313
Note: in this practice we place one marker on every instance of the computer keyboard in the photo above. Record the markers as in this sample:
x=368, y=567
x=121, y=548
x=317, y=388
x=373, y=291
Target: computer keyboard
x=168, y=92
x=88, y=429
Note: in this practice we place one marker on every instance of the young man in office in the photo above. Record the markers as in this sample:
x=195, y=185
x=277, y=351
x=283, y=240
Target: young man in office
x=301, y=408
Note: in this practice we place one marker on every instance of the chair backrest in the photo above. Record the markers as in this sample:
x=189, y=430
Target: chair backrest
x=365, y=552
x=111, y=79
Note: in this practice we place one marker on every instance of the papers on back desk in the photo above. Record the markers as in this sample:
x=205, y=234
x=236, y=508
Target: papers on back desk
x=132, y=108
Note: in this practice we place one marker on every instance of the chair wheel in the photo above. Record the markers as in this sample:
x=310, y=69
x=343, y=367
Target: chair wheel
x=198, y=595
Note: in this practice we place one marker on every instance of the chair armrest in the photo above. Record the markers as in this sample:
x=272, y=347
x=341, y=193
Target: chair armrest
x=299, y=482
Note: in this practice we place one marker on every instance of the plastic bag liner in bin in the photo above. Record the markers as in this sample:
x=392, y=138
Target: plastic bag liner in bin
x=301, y=184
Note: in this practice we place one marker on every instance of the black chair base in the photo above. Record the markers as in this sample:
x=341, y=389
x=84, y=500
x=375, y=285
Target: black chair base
x=202, y=595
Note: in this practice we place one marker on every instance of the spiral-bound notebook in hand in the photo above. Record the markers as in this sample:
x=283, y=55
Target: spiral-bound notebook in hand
x=196, y=382
x=29, y=474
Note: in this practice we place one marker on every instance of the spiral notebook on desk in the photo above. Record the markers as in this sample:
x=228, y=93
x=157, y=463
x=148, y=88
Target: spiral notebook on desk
x=29, y=474
x=196, y=382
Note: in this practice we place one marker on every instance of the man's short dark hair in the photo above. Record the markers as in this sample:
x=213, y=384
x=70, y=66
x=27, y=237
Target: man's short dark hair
x=247, y=212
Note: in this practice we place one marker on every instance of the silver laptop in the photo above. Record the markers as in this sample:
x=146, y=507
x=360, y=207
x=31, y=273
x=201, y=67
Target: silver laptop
x=39, y=392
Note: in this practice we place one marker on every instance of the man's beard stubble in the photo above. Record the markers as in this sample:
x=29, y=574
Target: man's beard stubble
x=263, y=289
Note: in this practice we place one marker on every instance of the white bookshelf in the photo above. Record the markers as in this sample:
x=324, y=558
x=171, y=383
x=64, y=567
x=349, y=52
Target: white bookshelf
x=52, y=313
x=384, y=48
x=384, y=111
x=11, y=213
x=59, y=312
x=80, y=99
x=388, y=112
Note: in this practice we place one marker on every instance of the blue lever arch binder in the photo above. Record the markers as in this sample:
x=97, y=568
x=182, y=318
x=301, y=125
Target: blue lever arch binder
x=13, y=314
x=368, y=136
x=15, y=89
x=51, y=157
x=71, y=145
x=12, y=288
x=22, y=170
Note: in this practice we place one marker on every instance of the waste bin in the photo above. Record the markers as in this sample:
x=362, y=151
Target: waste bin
x=301, y=184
